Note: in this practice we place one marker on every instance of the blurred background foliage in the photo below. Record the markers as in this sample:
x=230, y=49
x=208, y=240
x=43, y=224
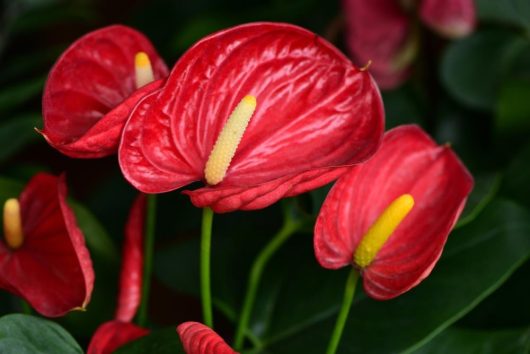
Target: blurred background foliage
x=473, y=93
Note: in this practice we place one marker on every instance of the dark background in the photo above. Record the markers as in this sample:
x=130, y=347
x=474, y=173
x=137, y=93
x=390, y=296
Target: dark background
x=473, y=93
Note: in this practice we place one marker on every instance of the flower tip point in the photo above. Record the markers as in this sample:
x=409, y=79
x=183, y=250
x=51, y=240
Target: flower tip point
x=367, y=66
x=143, y=69
x=141, y=59
x=250, y=100
x=13, y=234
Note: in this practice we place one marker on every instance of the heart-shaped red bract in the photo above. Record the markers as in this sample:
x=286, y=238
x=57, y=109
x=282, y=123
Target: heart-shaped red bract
x=91, y=90
x=52, y=270
x=132, y=262
x=315, y=114
x=197, y=338
x=377, y=32
x=114, y=334
x=450, y=18
x=408, y=162
x=386, y=33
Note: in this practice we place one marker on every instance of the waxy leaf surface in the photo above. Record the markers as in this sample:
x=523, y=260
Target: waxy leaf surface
x=23, y=334
x=488, y=250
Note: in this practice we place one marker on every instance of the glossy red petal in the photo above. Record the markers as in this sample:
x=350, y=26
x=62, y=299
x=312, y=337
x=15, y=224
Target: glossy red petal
x=172, y=171
x=91, y=90
x=197, y=338
x=407, y=162
x=226, y=199
x=379, y=31
x=112, y=335
x=450, y=18
x=315, y=111
x=132, y=263
x=52, y=270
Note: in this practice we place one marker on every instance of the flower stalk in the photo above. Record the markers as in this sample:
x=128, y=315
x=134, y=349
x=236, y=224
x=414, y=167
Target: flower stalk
x=206, y=290
x=349, y=293
x=290, y=226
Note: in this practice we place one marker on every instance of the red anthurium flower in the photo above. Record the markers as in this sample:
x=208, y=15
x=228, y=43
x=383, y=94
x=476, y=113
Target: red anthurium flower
x=385, y=32
x=114, y=334
x=93, y=87
x=259, y=112
x=43, y=257
x=390, y=217
x=130, y=294
x=451, y=18
x=380, y=31
x=197, y=338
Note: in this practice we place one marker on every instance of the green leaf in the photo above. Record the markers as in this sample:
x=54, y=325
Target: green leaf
x=15, y=95
x=164, y=341
x=478, y=258
x=510, y=12
x=513, y=110
x=96, y=237
x=517, y=178
x=486, y=187
x=467, y=132
x=472, y=69
x=504, y=308
x=17, y=133
x=21, y=334
x=455, y=340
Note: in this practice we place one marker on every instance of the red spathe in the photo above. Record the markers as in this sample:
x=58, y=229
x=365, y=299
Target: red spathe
x=114, y=334
x=91, y=90
x=132, y=262
x=197, y=338
x=52, y=270
x=386, y=32
x=408, y=162
x=315, y=113
x=377, y=32
x=450, y=18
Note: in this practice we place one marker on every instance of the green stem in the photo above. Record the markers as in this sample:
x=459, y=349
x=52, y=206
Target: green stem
x=349, y=292
x=289, y=228
x=206, y=291
x=148, y=257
